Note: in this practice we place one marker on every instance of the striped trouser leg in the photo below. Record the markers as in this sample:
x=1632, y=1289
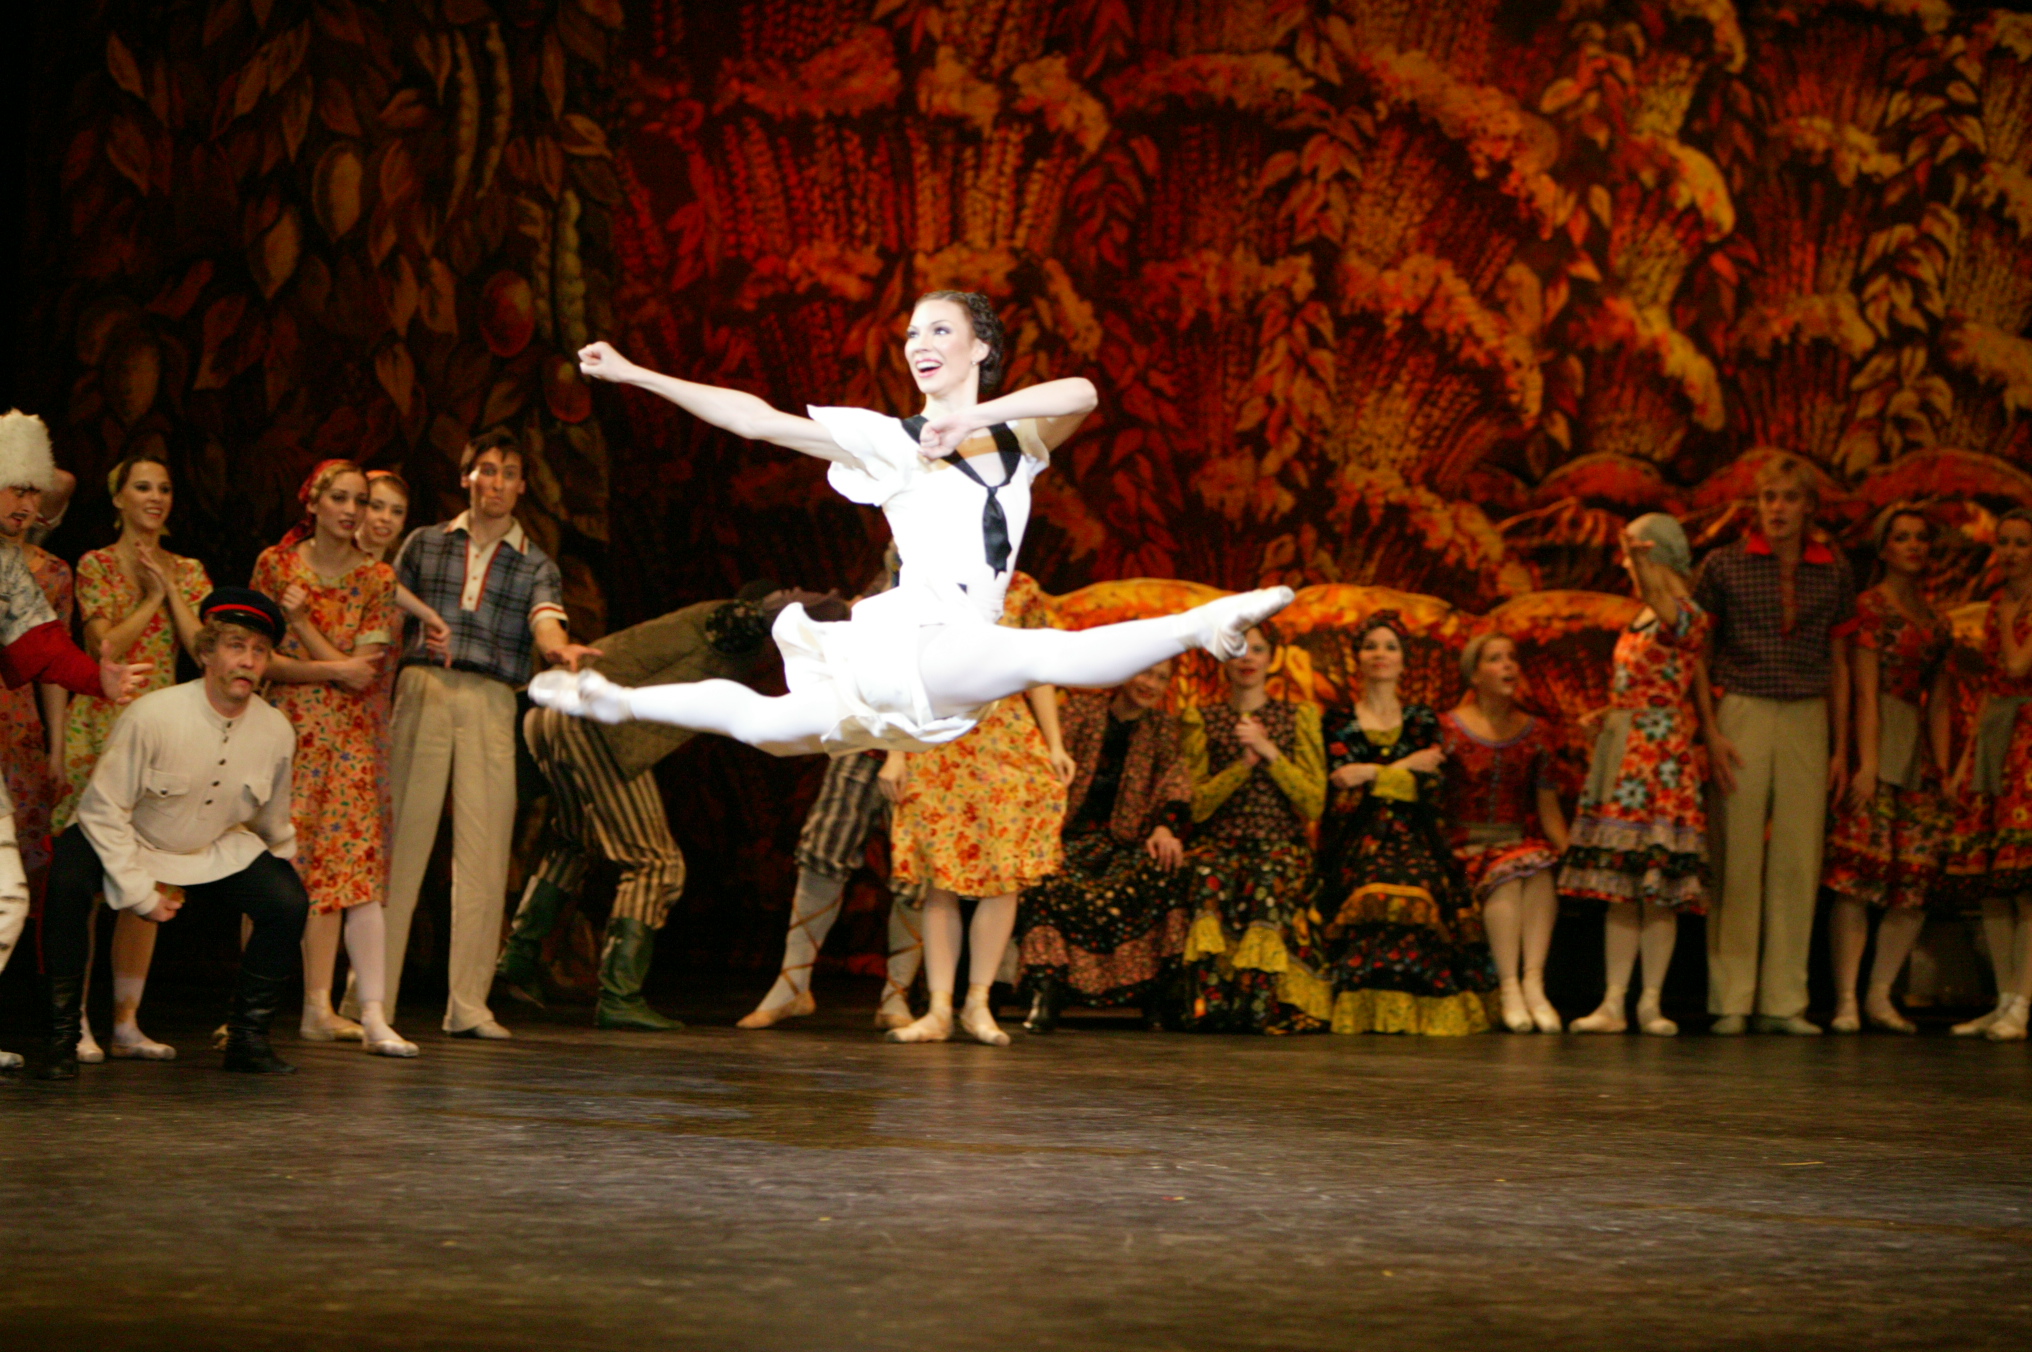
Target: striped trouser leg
x=599, y=810
x=848, y=806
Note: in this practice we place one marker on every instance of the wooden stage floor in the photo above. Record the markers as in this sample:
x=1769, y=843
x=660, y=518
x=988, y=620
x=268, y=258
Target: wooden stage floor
x=1103, y=1188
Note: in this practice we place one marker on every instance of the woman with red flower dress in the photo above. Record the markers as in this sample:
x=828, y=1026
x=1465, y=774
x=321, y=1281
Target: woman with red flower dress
x=979, y=817
x=326, y=679
x=1884, y=850
x=1991, y=853
x=1505, y=825
x=1640, y=833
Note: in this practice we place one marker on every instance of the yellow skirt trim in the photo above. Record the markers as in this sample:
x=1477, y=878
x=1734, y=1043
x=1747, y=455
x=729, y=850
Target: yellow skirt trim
x=1304, y=991
x=1402, y=1012
x=1205, y=939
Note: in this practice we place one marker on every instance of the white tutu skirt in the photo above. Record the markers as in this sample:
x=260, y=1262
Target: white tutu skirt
x=867, y=666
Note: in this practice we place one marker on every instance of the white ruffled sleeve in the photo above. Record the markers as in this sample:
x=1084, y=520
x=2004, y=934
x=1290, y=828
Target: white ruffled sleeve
x=885, y=459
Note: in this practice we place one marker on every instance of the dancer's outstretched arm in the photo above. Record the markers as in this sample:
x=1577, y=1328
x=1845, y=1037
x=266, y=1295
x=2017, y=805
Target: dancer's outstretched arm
x=1058, y=407
x=730, y=410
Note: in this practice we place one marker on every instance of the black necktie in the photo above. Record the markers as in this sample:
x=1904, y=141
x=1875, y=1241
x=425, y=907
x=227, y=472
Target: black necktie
x=994, y=525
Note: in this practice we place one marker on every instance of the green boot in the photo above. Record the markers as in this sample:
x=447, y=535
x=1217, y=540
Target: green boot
x=624, y=966
x=521, y=966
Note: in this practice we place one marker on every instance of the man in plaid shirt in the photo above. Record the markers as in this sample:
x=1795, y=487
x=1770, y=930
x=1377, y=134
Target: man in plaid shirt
x=455, y=721
x=1778, y=744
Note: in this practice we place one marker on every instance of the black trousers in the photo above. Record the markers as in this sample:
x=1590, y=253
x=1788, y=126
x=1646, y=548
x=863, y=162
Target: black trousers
x=267, y=891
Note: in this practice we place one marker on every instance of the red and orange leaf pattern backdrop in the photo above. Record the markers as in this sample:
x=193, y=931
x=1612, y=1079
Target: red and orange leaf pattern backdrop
x=1399, y=303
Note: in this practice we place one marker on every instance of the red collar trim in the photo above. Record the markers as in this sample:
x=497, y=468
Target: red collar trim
x=1815, y=551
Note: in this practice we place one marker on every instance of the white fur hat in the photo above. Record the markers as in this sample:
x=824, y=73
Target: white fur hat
x=24, y=452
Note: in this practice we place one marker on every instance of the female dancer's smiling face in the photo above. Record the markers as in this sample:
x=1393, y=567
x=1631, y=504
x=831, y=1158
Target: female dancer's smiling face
x=1382, y=656
x=941, y=349
x=387, y=509
x=144, y=500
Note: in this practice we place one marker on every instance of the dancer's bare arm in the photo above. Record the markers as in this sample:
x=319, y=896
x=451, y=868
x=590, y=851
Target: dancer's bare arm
x=730, y=410
x=1058, y=407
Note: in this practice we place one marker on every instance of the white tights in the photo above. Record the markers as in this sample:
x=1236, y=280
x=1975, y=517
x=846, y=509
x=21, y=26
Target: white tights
x=1849, y=933
x=963, y=667
x=994, y=921
x=1655, y=933
x=1519, y=917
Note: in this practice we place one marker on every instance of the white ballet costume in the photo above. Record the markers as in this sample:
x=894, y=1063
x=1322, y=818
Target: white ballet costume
x=919, y=664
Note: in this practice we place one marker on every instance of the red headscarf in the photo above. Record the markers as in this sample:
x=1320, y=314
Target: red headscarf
x=320, y=479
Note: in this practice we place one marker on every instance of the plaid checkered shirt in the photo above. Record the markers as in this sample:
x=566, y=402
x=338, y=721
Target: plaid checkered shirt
x=1754, y=653
x=491, y=598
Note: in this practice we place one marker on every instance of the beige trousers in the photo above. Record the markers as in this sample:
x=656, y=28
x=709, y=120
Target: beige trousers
x=453, y=729
x=1759, y=930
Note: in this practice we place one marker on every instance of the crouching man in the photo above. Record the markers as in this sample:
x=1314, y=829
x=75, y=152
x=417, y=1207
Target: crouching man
x=192, y=790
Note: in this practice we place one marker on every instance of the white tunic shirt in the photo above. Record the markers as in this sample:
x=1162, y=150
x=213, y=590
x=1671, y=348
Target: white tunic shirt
x=183, y=794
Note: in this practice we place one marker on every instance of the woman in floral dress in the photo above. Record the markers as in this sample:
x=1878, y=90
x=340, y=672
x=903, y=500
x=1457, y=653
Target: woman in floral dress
x=326, y=679
x=979, y=817
x=1640, y=834
x=1506, y=826
x=1884, y=850
x=143, y=601
x=1403, y=935
x=1990, y=854
x=1258, y=783
x=1108, y=928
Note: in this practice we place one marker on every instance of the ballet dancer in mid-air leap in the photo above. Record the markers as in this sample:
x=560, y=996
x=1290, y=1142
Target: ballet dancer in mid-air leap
x=917, y=665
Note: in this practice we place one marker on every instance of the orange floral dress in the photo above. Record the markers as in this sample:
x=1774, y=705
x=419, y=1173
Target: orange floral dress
x=980, y=816
x=24, y=742
x=339, y=782
x=105, y=592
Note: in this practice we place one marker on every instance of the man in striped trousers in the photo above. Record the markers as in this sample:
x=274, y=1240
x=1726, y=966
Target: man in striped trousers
x=604, y=798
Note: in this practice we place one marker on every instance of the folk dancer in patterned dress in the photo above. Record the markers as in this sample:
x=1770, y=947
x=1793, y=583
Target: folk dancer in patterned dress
x=1403, y=938
x=38, y=653
x=143, y=600
x=1778, y=747
x=1258, y=773
x=455, y=722
x=193, y=789
x=1110, y=927
x=604, y=801
x=1991, y=855
x=1505, y=824
x=1884, y=850
x=919, y=665
x=325, y=678
x=979, y=817
x=1640, y=834
x=380, y=530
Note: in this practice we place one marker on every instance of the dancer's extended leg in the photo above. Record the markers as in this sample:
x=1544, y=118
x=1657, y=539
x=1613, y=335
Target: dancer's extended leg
x=966, y=666
x=784, y=725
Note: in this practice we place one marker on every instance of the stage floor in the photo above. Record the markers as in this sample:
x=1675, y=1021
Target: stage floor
x=1102, y=1188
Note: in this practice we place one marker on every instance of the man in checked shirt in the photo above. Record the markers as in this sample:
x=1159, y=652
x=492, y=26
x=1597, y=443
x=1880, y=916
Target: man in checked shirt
x=1778, y=747
x=455, y=722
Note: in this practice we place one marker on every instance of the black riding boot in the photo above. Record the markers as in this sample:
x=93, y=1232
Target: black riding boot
x=63, y=1000
x=1045, y=1006
x=254, y=1006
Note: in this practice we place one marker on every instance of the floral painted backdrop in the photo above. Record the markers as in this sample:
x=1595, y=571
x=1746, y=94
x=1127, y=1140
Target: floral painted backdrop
x=1378, y=293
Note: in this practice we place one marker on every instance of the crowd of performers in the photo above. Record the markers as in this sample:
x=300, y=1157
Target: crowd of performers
x=1248, y=865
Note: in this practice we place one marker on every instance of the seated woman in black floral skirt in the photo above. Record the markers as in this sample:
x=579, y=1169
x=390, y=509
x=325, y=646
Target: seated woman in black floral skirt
x=1258, y=783
x=1108, y=927
x=1404, y=942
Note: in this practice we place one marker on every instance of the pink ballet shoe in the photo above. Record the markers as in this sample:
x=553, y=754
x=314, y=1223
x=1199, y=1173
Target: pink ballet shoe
x=933, y=1027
